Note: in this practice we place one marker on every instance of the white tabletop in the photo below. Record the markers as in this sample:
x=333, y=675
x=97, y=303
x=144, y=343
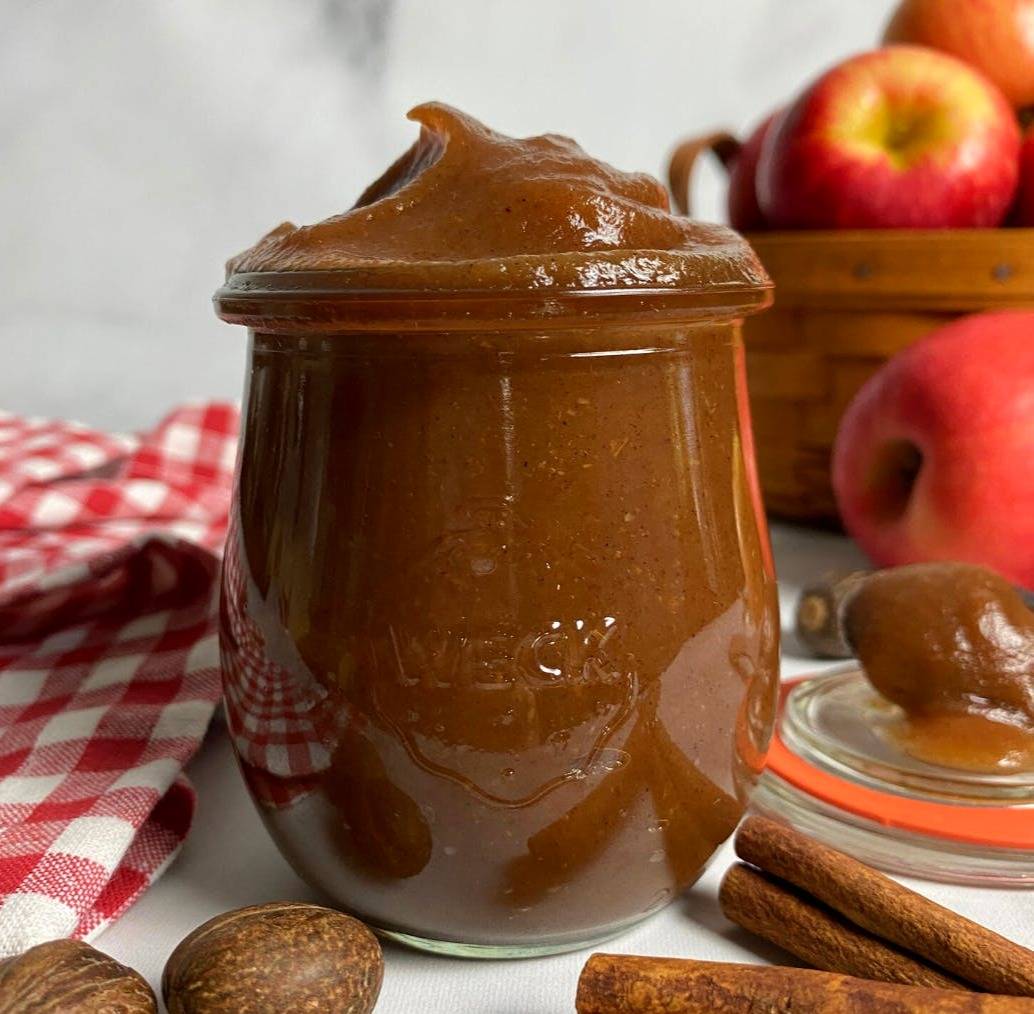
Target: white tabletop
x=229, y=861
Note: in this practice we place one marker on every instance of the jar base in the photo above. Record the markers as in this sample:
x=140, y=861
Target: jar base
x=505, y=952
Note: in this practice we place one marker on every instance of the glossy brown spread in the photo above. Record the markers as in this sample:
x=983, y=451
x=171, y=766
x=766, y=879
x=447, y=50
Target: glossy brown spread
x=953, y=645
x=467, y=208
x=499, y=630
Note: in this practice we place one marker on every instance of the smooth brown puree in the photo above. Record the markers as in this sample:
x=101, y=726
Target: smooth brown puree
x=953, y=645
x=467, y=208
x=511, y=597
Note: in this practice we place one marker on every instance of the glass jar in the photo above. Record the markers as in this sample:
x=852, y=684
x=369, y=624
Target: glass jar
x=499, y=626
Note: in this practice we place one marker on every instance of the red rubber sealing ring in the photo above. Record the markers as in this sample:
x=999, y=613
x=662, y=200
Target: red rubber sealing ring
x=1005, y=827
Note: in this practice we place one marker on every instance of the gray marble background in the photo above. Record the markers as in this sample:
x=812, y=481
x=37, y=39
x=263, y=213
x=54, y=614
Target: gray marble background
x=142, y=142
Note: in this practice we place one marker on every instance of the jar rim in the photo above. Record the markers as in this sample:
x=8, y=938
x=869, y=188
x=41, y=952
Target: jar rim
x=330, y=301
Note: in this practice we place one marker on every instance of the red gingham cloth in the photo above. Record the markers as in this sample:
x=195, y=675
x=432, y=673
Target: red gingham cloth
x=270, y=712
x=108, y=658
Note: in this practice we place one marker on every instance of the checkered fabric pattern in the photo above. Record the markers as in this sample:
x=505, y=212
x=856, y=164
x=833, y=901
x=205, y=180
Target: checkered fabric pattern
x=108, y=658
x=270, y=710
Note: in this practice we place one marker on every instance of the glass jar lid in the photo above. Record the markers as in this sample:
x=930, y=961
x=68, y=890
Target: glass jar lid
x=339, y=301
x=833, y=773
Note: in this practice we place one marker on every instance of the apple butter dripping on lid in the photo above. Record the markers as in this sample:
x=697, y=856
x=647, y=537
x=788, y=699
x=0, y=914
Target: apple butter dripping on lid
x=951, y=644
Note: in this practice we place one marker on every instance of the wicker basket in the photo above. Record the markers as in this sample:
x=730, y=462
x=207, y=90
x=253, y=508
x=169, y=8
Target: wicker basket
x=845, y=302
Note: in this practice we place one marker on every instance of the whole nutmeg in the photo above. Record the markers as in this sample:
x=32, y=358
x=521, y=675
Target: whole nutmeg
x=283, y=957
x=66, y=976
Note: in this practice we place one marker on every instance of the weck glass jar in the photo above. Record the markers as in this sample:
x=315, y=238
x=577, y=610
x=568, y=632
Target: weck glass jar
x=499, y=629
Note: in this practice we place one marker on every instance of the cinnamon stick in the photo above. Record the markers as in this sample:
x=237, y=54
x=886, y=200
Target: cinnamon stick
x=818, y=935
x=887, y=909
x=621, y=984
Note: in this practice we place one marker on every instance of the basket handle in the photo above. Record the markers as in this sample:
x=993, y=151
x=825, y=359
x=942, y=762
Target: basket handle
x=721, y=143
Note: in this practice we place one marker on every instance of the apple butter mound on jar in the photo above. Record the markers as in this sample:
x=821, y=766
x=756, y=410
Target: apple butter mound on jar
x=468, y=208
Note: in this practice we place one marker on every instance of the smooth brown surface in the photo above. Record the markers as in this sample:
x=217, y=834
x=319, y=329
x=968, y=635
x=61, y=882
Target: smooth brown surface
x=286, y=957
x=887, y=909
x=503, y=578
x=845, y=302
x=953, y=645
x=521, y=610
x=814, y=933
x=70, y=977
x=468, y=208
x=622, y=984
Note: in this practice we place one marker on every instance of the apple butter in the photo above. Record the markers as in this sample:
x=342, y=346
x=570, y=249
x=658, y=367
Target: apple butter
x=953, y=645
x=499, y=631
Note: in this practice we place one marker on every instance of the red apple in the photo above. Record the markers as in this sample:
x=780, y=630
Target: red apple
x=744, y=213
x=995, y=36
x=899, y=137
x=934, y=457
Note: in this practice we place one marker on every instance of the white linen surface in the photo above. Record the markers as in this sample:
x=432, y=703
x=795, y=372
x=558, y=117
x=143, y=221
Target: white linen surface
x=229, y=861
